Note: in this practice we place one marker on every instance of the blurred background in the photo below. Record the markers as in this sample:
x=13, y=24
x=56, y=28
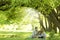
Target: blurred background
x=18, y=18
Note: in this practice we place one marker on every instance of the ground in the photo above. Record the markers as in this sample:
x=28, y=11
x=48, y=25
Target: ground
x=23, y=36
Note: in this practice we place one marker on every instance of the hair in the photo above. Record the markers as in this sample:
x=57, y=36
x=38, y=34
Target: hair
x=41, y=31
x=35, y=27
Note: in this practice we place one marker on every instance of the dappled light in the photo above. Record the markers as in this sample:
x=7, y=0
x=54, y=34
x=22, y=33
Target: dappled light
x=29, y=19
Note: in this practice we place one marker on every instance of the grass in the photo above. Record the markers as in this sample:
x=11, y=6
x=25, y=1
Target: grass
x=14, y=35
x=24, y=36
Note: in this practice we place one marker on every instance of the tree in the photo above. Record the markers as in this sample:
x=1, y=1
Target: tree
x=48, y=8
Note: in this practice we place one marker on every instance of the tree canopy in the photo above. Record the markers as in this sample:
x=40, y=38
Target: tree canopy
x=12, y=11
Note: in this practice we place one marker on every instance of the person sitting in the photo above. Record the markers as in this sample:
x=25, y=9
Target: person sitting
x=34, y=34
x=41, y=34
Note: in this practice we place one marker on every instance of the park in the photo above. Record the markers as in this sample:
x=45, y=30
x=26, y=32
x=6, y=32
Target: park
x=18, y=19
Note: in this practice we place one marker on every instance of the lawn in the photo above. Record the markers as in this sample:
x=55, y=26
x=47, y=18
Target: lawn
x=23, y=36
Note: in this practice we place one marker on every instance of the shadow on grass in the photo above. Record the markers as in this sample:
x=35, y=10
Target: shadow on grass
x=35, y=39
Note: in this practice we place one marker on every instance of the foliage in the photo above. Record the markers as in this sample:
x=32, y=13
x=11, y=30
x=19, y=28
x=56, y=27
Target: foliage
x=45, y=6
x=12, y=11
x=5, y=4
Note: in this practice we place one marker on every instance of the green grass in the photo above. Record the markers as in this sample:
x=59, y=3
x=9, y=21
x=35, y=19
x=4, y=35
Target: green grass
x=14, y=35
x=24, y=36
